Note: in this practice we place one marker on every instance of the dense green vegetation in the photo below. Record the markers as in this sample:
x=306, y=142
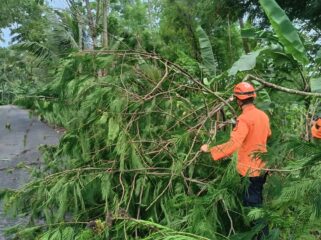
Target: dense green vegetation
x=139, y=86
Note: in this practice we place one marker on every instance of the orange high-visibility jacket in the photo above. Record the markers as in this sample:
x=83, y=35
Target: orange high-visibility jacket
x=316, y=132
x=249, y=138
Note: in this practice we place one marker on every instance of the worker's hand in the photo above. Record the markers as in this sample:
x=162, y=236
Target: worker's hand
x=205, y=148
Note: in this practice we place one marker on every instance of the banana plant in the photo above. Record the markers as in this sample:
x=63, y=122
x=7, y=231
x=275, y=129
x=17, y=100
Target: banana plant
x=285, y=31
x=209, y=62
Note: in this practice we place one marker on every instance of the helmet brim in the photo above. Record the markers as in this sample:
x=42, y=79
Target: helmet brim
x=245, y=96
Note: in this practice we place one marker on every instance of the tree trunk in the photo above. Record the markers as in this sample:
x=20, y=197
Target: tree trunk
x=91, y=23
x=80, y=40
x=80, y=43
x=75, y=7
x=105, y=23
x=103, y=72
x=231, y=57
x=246, y=46
x=150, y=13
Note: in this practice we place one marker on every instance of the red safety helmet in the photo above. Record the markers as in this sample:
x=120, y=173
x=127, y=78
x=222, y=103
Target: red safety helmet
x=244, y=91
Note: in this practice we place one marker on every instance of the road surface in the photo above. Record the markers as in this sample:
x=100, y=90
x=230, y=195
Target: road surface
x=20, y=138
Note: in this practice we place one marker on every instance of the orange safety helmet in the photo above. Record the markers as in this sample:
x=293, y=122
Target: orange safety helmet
x=244, y=91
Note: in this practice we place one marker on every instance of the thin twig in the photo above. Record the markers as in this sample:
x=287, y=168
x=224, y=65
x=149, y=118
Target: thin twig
x=232, y=230
x=161, y=194
x=149, y=95
x=131, y=192
x=122, y=186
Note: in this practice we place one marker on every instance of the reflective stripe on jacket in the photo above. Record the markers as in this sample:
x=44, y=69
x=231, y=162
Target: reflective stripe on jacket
x=249, y=138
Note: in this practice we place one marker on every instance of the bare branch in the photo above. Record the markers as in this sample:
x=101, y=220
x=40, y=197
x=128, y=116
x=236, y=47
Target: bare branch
x=280, y=88
x=173, y=65
x=149, y=95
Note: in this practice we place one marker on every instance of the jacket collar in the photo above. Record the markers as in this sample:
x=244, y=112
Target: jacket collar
x=247, y=107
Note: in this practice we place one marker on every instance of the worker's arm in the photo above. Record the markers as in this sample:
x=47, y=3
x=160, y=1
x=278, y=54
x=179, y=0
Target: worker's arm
x=238, y=135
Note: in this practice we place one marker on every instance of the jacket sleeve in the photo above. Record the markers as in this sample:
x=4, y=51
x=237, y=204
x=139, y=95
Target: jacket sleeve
x=238, y=135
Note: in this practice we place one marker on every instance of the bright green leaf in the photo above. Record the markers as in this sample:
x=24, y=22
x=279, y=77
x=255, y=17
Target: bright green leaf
x=246, y=62
x=206, y=51
x=284, y=30
x=315, y=84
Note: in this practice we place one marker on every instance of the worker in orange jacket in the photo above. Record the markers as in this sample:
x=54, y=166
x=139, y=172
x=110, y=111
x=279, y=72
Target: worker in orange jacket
x=316, y=129
x=248, y=138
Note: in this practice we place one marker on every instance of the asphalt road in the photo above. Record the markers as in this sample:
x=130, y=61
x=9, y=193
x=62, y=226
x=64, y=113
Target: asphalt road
x=20, y=137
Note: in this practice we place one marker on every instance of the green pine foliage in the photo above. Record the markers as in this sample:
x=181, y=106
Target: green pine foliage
x=128, y=165
x=129, y=162
x=130, y=149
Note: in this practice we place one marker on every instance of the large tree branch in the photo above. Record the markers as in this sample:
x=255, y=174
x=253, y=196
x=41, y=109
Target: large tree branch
x=280, y=88
x=175, y=66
